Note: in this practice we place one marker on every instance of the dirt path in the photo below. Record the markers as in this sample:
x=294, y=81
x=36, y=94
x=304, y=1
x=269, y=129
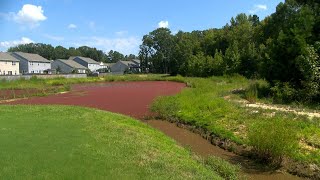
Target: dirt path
x=133, y=99
x=245, y=103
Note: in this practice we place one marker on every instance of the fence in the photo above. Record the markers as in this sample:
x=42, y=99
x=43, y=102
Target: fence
x=43, y=76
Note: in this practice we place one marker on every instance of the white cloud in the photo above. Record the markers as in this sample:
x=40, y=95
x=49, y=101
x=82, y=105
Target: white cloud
x=30, y=15
x=72, y=26
x=55, y=38
x=163, y=24
x=7, y=44
x=128, y=45
x=121, y=33
x=258, y=8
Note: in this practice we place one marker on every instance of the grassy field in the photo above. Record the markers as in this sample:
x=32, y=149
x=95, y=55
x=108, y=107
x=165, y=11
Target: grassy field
x=64, y=142
x=209, y=104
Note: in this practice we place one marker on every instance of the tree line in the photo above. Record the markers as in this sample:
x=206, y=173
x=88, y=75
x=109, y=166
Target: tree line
x=283, y=48
x=49, y=52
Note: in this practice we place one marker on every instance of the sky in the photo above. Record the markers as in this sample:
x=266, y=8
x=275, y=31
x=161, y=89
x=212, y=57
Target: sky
x=114, y=24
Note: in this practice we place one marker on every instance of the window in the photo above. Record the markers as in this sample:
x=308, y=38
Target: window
x=10, y=73
x=13, y=63
x=38, y=64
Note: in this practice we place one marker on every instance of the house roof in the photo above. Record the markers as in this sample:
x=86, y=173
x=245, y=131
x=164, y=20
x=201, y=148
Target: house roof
x=86, y=59
x=110, y=64
x=136, y=61
x=31, y=57
x=130, y=63
x=7, y=57
x=72, y=64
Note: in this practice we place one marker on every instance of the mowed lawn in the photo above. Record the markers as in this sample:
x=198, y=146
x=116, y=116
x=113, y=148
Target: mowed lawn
x=64, y=142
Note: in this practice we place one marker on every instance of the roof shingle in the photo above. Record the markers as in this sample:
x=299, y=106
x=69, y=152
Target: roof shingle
x=7, y=57
x=31, y=57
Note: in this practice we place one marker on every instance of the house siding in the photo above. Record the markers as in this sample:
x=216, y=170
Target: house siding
x=38, y=67
x=92, y=67
x=63, y=67
x=9, y=66
x=119, y=67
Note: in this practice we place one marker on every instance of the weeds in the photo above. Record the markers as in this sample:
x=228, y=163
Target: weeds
x=272, y=140
x=223, y=168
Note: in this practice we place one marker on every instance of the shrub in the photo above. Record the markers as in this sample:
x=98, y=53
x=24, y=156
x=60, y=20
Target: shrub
x=283, y=93
x=251, y=93
x=223, y=168
x=272, y=139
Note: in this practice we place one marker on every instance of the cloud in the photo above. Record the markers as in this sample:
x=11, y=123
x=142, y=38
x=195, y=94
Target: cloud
x=163, y=24
x=30, y=15
x=128, y=45
x=121, y=33
x=55, y=38
x=258, y=8
x=72, y=26
x=7, y=44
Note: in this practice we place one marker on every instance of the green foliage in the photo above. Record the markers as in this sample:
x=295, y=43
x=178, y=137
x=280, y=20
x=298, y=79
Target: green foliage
x=223, y=168
x=251, y=93
x=283, y=49
x=273, y=139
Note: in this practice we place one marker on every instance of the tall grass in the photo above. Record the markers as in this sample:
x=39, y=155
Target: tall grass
x=206, y=105
x=273, y=139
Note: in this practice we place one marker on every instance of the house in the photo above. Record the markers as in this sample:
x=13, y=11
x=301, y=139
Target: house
x=105, y=67
x=89, y=63
x=9, y=65
x=68, y=66
x=32, y=63
x=126, y=66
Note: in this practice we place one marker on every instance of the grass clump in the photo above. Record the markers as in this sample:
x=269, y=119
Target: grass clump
x=223, y=168
x=272, y=140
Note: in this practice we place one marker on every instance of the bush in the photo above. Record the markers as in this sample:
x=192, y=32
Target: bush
x=272, y=140
x=251, y=93
x=223, y=168
x=283, y=93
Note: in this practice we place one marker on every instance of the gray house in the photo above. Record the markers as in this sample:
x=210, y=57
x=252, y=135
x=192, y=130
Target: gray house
x=121, y=67
x=68, y=66
x=32, y=63
x=91, y=64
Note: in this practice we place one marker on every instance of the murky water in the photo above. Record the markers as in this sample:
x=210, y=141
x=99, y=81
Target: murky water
x=204, y=148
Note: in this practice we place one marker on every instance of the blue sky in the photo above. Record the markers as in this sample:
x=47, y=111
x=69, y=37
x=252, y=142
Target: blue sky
x=114, y=24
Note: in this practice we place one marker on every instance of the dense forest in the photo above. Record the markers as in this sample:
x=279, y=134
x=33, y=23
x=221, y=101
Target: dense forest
x=283, y=48
x=49, y=52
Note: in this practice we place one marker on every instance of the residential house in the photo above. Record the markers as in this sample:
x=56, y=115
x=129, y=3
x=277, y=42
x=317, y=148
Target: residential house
x=9, y=65
x=68, y=66
x=105, y=67
x=126, y=66
x=91, y=64
x=32, y=63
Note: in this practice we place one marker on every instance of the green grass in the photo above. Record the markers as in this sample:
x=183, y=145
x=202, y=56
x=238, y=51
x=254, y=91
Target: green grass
x=208, y=105
x=64, y=142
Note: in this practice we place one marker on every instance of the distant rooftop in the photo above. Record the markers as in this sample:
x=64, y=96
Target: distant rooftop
x=31, y=57
x=86, y=59
x=72, y=64
x=7, y=57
